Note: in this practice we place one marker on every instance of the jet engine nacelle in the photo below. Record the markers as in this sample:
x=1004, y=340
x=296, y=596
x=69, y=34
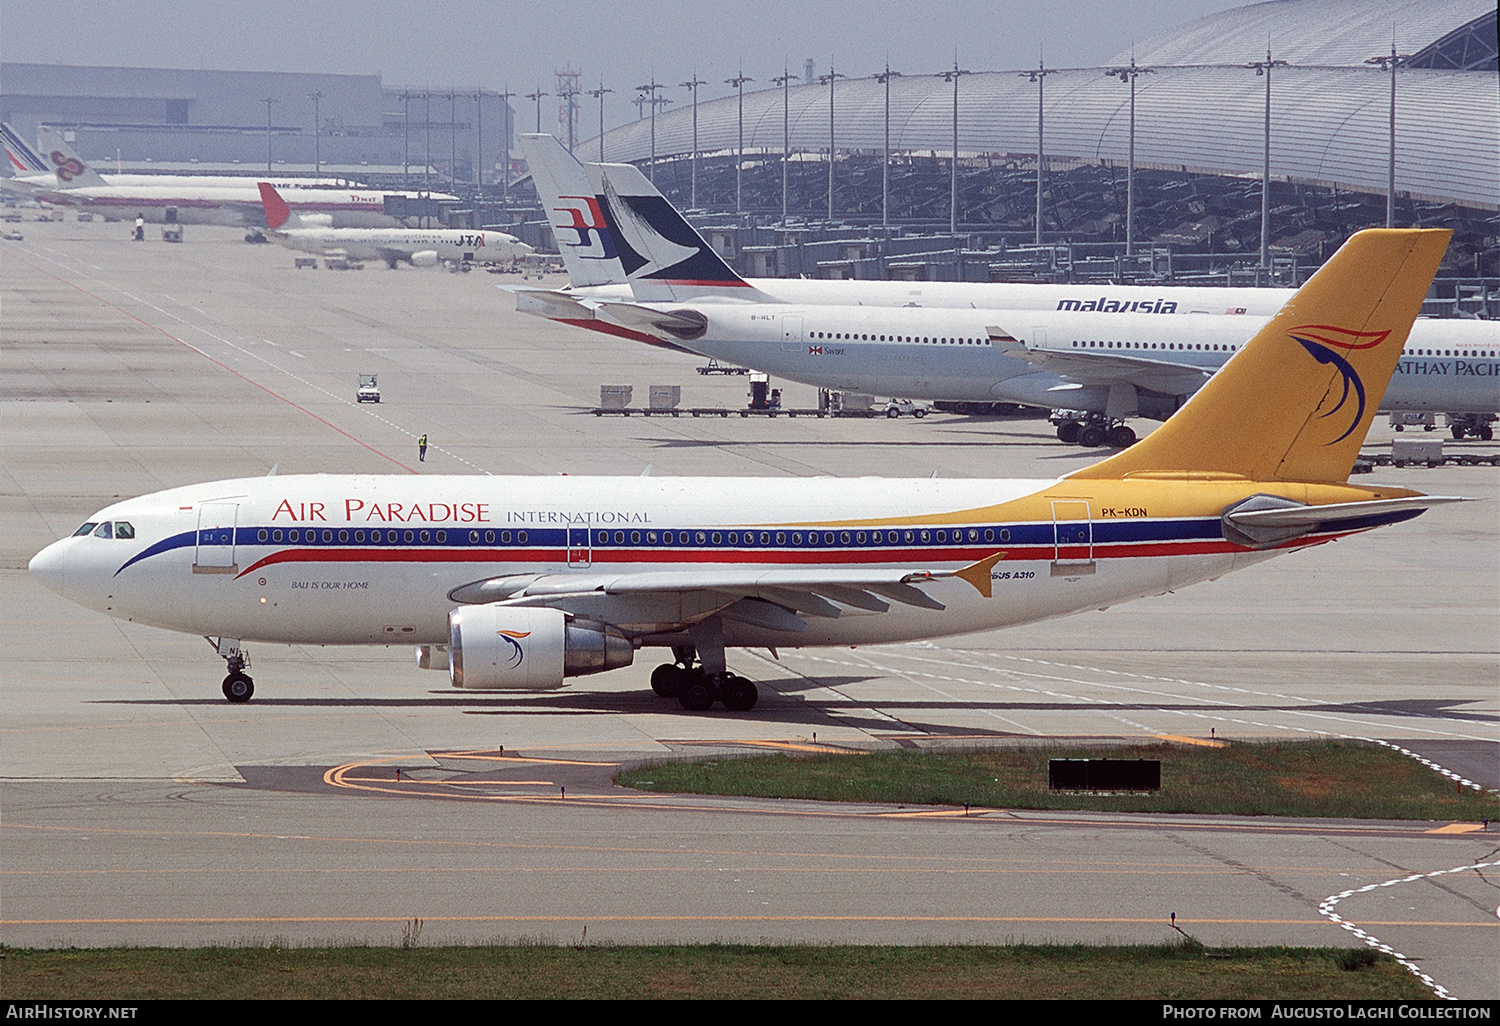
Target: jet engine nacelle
x=424, y=258
x=522, y=648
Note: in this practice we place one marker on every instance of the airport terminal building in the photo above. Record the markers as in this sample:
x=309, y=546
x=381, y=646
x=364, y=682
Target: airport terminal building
x=145, y=118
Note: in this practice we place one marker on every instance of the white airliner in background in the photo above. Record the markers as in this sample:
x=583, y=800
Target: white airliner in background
x=187, y=201
x=520, y=583
x=420, y=247
x=34, y=172
x=613, y=228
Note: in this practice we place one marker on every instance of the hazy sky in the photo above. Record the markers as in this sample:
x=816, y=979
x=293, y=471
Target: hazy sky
x=496, y=44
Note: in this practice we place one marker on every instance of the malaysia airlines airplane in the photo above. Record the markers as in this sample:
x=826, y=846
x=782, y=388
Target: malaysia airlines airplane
x=420, y=247
x=521, y=583
x=236, y=203
x=615, y=229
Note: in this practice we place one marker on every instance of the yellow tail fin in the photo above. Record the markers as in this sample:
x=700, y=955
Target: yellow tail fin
x=1295, y=402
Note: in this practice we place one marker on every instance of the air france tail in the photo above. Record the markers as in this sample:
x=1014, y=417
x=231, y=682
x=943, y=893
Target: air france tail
x=23, y=159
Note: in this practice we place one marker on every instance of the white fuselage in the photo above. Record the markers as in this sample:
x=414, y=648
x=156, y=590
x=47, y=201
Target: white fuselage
x=946, y=353
x=231, y=205
x=397, y=244
x=372, y=560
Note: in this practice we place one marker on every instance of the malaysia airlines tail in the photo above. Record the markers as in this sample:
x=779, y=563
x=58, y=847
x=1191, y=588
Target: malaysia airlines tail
x=64, y=162
x=1294, y=404
x=578, y=225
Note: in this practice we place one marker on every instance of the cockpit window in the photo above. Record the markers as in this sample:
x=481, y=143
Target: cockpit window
x=124, y=529
x=104, y=530
x=87, y=528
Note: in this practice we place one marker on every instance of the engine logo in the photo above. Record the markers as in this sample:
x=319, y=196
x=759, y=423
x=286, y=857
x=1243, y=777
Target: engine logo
x=513, y=638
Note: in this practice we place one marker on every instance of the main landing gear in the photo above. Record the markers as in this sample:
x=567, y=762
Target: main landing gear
x=1093, y=431
x=238, y=687
x=696, y=690
x=697, y=687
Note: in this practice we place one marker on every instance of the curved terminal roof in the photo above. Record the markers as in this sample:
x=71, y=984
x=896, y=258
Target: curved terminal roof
x=1329, y=110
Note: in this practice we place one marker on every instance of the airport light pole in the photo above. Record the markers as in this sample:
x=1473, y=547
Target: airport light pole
x=1130, y=74
x=784, y=80
x=478, y=97
x=1039, y=76
x=693, y=84
x=505, y=131
x=829, y=79
x=953, y=76
x=453, y=140
x=648, y=93
x=427, y=143
x=1264, y=68
x=315, y=96
x=570, y=107
x=1392, y=61
x=537, y=96
x=268, y=101
x=598, y=94
x=738, y=81
x=885, y=157
x=406, y=140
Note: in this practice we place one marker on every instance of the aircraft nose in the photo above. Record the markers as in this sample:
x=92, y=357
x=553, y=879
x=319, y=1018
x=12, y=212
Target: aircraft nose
x=50, y=566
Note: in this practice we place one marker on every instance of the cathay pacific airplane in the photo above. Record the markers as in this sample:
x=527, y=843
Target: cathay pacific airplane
x=615, y=229
x=420, y=247
x=521, y=583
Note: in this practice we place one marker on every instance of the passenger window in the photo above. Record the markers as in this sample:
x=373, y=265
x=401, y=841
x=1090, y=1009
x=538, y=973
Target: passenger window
x=104, y=530
x=87, y=528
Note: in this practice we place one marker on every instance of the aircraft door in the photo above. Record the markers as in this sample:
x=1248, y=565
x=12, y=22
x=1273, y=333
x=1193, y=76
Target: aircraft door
x=216, y=527
x=580, y=551
x=791, y=334
x=1072, y=538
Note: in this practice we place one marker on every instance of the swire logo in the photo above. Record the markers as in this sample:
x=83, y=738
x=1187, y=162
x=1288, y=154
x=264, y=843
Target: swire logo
x=1320, y=341
x=513, y=638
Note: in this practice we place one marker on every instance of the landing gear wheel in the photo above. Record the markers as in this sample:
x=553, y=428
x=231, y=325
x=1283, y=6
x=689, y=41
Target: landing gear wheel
x=1121, y=437
x=1486, y=433
x=1091, y=436
x=696, y=694
x=666, y=680
x=1067, y=431
x=739, y=694
x=238, y=688
x=1458, y=432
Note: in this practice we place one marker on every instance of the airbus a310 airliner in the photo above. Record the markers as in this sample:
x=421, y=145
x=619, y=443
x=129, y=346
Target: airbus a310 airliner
x=520, y=583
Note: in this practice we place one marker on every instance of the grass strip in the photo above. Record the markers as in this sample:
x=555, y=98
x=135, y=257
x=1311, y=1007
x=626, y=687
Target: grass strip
x=1334, y=779
x=1158, y=972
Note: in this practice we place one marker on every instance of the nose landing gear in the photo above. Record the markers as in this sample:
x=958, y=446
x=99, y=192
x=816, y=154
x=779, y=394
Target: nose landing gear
x=238, y=687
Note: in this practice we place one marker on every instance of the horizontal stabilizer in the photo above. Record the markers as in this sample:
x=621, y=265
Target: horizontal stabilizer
x=683, y=324
x=1262, y=521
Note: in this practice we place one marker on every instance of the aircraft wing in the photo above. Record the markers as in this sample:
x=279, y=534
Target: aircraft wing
x=1106, y=367
x=391, y=254
x=778, y=598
